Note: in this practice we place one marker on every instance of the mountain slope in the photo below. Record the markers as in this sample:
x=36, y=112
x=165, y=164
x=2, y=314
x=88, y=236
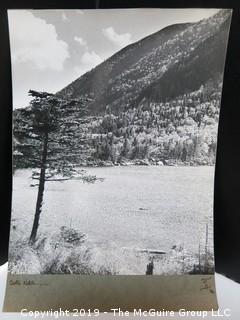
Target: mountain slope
x=206, y=61
x=156, y=101
x=98, y=80
x=154, y=62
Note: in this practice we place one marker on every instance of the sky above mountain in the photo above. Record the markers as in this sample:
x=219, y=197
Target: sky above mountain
x=51, y=48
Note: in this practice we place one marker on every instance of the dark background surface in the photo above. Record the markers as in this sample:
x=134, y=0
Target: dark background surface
x=227, y=178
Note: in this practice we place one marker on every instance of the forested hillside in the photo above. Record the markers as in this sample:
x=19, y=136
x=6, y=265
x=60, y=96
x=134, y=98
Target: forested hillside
x=172, y=61
x=179, y=131
x=154, y=102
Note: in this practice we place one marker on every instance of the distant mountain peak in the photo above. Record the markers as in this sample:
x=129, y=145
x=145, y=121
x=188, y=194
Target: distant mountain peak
x=122, y=80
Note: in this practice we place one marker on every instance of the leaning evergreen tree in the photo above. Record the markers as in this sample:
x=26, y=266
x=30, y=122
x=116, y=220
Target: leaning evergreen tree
x=49, y=137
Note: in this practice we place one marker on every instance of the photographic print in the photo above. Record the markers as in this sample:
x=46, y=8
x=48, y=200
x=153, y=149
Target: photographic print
x=115, y=119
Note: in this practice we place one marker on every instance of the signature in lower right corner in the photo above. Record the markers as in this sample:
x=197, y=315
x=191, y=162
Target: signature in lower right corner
x=207, y=284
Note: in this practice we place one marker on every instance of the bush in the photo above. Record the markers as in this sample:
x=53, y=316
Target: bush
x=64, y=252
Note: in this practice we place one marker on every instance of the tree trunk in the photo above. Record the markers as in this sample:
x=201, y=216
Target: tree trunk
x=40, y=190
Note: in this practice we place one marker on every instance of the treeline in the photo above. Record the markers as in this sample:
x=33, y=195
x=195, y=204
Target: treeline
x=183, y=130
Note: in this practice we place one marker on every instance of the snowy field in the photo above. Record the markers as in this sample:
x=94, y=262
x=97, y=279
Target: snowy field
x=134, y=208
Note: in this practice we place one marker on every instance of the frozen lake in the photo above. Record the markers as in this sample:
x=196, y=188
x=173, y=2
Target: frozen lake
x=135, y=207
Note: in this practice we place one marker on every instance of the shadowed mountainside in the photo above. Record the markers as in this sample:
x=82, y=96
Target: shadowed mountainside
x=175, y=60
x=156, y=101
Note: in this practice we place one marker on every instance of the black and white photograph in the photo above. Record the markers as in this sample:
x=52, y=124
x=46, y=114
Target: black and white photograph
x=115, y=124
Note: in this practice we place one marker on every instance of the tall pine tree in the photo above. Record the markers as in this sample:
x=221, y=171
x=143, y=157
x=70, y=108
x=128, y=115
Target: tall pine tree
x=49, y=137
